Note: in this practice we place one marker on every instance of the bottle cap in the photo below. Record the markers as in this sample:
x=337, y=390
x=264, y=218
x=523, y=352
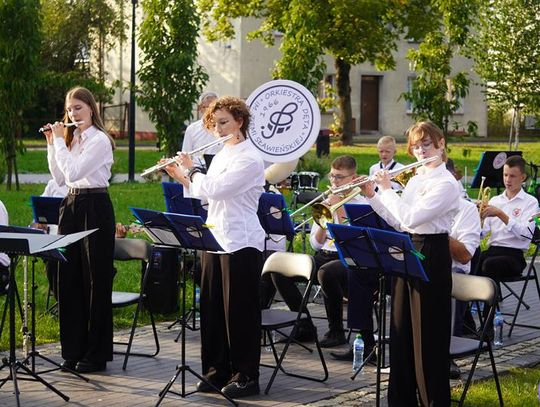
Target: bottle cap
x=358, y=336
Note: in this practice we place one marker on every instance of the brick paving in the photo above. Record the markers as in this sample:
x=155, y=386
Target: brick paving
x=141, y=382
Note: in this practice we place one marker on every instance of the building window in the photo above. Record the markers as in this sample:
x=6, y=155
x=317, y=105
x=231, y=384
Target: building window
x=409, y=103
x=326, y=93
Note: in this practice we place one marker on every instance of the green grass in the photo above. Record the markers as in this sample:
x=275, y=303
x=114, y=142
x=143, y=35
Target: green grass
x=519, y=389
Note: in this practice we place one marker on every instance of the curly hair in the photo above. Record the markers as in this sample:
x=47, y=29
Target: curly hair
x=235, y=106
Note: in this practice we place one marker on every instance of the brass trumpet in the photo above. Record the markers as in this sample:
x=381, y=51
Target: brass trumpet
x=322, y=214
x=483, y=199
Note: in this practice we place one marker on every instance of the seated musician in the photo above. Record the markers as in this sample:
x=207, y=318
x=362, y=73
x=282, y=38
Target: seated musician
x=386, y=147
x=331, y=273
x=508, y=217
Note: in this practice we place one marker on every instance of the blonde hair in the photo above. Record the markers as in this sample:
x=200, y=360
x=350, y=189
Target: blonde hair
x=424, y=130
x=84, y=95
x=387, y=140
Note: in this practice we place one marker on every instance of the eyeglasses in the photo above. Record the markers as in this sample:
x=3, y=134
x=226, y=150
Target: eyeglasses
x=337, y=177
x=426, y=145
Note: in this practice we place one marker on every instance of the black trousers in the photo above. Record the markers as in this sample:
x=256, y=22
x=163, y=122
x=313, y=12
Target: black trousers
x=85, y=280
x=230, y=314
x=363, y=285
x=420, y=330
x=332, y=277
x=499, y=262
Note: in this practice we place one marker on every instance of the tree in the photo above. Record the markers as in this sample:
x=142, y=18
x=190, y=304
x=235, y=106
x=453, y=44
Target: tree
x=506, y=51
x=19, y=48
x=171, y=79
x=351, y=31
x=436, y=91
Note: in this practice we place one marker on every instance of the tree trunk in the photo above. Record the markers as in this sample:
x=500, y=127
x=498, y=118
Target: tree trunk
x=516, y=124
x=511, y=130
x=344, y=93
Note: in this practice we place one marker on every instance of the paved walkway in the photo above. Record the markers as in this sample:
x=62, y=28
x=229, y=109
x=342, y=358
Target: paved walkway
x=140, y=384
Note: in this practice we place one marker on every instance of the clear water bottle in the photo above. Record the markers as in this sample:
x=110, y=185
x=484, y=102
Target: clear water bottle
x=197, y=302
x=358, y=352
x=498, y=323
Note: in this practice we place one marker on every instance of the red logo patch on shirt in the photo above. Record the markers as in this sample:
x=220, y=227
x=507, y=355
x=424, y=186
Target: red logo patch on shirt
x=516, y=212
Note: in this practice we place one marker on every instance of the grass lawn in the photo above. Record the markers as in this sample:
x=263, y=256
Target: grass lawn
x=519, y=389
x=149, y=195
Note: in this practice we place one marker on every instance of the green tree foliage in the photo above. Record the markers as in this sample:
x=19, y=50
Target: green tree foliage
x=436, y=90
x=351, y=31
x=171, y=79
x=19, y=48
x=506, y=50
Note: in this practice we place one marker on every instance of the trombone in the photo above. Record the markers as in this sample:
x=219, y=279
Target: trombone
x=170, y=161
x=322, y=214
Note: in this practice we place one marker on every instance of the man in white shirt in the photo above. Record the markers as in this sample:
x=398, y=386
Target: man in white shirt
x=197, y=135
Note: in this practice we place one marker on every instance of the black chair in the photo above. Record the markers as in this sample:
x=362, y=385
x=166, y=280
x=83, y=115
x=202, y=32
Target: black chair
x=134, y=249
x=296, y=266
x=530, y=274
x=483, y=289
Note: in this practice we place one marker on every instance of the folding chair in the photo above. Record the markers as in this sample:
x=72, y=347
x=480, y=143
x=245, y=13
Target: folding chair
x=292, y=265
x=530, y=274
x=125, y=250
x=475, y=288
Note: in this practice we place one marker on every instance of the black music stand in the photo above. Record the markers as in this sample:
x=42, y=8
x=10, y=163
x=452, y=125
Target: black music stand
x=175, y=202
x=16, y=241
x=491, y=166
x=188, y=232
x=274, y=217
x=390, y=253
x=46, y=209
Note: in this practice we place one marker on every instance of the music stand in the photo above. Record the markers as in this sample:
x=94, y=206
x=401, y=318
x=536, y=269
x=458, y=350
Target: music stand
x=364, y=215
x=274, y=217
x=16, y=241
x=491, y=166
x=46, y=209
x=188, y=232
x=390, y=253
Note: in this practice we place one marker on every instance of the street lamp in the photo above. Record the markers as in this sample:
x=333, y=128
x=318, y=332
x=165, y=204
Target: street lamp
x=131, y=124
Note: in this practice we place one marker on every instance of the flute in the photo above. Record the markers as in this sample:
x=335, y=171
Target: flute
x=46, y=128
x=170, y=161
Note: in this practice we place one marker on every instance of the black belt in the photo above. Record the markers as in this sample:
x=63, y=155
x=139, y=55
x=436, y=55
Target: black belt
x=329, y=252
x=81, y=191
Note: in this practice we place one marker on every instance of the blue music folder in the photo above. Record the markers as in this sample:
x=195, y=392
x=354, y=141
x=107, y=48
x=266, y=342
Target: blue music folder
x=46, y=209
x=176, y=230
x=175, y=202
x=364, y=215
x=273, y=215
x=375, y=248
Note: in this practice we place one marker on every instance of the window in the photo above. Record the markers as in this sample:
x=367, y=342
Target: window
x=408, y=103
x=326, y=93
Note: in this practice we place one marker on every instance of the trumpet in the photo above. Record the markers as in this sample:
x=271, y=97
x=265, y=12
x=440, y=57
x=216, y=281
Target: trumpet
x=46, y=128
x=322, y=214
x=170, y=161
x=483, y=199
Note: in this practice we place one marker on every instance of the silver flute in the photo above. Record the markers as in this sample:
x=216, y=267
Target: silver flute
x=170, y=161
x=46, y=128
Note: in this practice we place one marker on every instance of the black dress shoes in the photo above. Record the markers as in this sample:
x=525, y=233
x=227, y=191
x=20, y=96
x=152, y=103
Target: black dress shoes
x=204, y=387
x=455, y=372
x=68, y=364
x=86, y=366
x=333, y=338
x=241, y=386
x=345, y=355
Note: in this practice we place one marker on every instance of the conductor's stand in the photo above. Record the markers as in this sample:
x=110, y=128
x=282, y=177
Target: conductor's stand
x=18, y=241
x=390, y=253
x=188, y=232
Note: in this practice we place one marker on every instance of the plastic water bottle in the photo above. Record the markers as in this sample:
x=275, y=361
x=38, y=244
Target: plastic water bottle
x=498, y=323
x=358, y=352
x=197, y=301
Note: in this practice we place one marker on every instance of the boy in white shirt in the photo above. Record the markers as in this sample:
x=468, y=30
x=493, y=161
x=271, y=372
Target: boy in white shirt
x=386, y=147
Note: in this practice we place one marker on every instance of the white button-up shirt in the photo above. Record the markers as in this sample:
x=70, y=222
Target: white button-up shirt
x=380, y=166
x=233, y=185
x=427, y=204
x=328, y=243
x=518, y=232
x=4, y=220
x=466, y=229
x=195, y=136
x=87, y=164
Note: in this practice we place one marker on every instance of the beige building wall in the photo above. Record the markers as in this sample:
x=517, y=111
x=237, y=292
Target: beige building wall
x=238, y=66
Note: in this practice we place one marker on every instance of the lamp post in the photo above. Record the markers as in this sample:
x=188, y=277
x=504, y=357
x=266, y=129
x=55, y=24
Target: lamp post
x=131, y=124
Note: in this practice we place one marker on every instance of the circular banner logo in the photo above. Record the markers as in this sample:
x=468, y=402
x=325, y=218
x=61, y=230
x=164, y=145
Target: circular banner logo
x=499, y=160
x=285, y=120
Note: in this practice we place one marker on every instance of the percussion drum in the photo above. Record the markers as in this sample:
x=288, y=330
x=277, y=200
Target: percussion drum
x=292, y=180
x=308, y=180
